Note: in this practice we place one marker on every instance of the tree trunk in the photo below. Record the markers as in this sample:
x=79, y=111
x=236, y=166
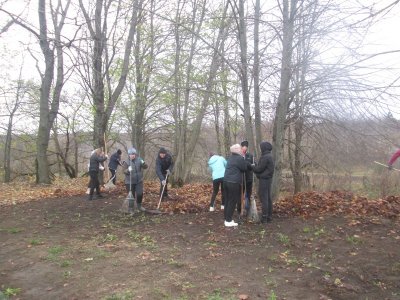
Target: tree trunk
x=244, y=77
x=181, y=154
x=284, y=93
x=256, y=71
x=215, y=64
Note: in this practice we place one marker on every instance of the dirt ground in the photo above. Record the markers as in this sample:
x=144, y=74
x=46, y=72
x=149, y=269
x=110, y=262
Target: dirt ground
x=70, y=248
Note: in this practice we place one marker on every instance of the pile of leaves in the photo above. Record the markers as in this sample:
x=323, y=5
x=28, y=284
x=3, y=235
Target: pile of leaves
x=337, y=203
x=195, y=198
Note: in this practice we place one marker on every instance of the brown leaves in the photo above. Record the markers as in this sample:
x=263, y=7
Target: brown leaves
x=337, y=203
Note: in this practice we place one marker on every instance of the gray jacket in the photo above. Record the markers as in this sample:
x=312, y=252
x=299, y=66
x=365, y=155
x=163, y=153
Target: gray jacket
x=136, y=175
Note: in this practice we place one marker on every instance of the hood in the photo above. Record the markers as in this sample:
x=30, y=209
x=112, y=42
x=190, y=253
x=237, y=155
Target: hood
x=213, y=159
x=265, y=147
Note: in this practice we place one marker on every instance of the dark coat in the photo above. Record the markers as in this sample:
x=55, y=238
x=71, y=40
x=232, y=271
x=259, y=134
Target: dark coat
x=235, y=167
x=164, y=164
x=249, y=173
x=95, y=161
x=136, y=175
x=115, y=161
x=265, y=166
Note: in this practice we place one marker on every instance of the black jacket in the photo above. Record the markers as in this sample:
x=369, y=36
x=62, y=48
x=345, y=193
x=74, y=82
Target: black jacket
x=265, y=166
x=235, y=167
x=115, y=161
x=249, y=173
x=163, y=164
x=95, y=161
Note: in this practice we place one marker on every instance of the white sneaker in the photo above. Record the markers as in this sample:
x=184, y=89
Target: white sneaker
x=212, y=208
x=230, y=224
x=222, y=207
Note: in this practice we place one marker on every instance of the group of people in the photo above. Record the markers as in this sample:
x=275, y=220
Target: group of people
x=235, y=177
x=133, y=170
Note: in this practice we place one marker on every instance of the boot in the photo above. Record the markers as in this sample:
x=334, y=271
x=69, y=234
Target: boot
x=90, y=198
x=264, y=219
x=140, y=207
x=99, y=196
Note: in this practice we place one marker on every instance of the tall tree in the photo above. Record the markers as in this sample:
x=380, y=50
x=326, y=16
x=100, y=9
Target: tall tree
x=282, y=106
x=102, y=60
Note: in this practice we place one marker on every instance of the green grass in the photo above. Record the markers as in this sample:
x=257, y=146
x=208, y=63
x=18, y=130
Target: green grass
x=127, y=295
x=10, y=291
x=354, y=239
x=284, y=239
x=12, y=230
x=142, y=240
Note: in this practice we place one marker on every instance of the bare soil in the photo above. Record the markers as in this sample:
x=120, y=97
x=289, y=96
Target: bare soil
x=70, y=248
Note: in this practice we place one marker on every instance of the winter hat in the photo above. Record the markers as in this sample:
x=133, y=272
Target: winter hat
x=236, y=149
x=131, y=151
x=119, y=152
x=163, y=150
x=244, y=144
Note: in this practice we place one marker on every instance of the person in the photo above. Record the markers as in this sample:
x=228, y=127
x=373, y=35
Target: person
x=217, y=164
x=164, y=166
x=115, y=161
x=233, y=179
x=95, y=164
x=133, y=170
x=247, y=178
x=393, y=159
x=264, y=171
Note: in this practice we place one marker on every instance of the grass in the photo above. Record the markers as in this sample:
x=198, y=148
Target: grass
x=12, y=230
x=142, y=240
x=9, y=291
x=54, y=253
x=354, y=239
x=284, y=239
x=127, y=295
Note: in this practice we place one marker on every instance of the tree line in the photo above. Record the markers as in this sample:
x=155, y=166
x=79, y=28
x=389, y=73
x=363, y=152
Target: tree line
x=165, y=72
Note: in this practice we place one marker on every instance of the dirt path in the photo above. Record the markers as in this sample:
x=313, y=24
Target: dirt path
x=69, y=248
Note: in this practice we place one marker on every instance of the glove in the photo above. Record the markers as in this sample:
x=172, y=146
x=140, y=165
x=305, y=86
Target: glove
x=168, y=172
x=253, y=165
x=142, y=161
x=164, y=182
x=101, y=168
x=130, y=168
x=390, y=167
x=106, y=156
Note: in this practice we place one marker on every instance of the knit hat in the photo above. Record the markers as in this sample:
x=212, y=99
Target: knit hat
x=244, y=144
x=119, y=152
x=131, y=151
x=236, y=149
x=163, y=150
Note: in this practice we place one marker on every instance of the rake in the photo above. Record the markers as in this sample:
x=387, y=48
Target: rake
x=253, y=213
x=381, y=164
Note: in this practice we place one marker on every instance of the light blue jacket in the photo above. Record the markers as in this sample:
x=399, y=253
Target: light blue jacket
x=217, y=165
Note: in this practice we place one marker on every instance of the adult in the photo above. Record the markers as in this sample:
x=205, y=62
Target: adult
x=247, y=178
x=115, y=161
x=393, y=159
x=217, y=164
x=264, y=171
x=133, y=170
x=164, y=167
x=95, y=161
x=233, y=179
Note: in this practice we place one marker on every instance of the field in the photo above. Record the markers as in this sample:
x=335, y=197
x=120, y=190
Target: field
x=59, y=246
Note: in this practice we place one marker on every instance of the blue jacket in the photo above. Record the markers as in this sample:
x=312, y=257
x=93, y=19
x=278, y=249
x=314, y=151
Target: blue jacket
x=217, y=166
